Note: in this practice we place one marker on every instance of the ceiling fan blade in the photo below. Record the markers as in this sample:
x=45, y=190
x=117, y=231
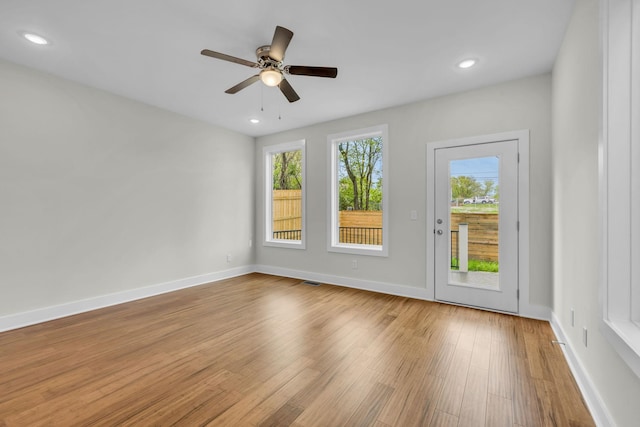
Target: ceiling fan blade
x=237, y=88
x=280, y=42
x=288, y=91
x=224, y=57
x=301, y=70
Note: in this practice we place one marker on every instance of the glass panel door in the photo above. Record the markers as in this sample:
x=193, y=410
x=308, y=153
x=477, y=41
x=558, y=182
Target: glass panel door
x=476, y=212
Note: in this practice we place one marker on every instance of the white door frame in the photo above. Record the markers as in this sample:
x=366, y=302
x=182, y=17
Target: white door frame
x=523, y=208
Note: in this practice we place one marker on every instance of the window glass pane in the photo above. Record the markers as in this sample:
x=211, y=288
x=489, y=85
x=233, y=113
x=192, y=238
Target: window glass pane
x=474, y=217
x=286, y=195
x=360, y=190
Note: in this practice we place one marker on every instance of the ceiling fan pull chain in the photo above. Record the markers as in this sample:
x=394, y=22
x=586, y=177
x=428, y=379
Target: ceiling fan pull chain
x=261, y=98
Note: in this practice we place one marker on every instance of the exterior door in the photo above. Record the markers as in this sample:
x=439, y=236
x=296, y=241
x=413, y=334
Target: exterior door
x=476, y=225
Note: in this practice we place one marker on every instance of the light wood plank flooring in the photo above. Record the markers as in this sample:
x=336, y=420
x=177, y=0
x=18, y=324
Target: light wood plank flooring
x=271, y=351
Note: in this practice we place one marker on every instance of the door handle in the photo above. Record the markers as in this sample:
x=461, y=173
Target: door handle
x=439, y=231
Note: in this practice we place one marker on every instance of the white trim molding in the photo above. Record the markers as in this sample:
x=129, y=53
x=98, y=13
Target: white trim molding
x=598, y=409
x=525, y=307
x=20, y=320
x=347, y=282
x=533, y=311
x=619, y=174
x=267, y=153
x=45, y=314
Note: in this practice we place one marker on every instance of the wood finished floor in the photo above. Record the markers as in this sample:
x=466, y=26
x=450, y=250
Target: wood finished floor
x=271, y=351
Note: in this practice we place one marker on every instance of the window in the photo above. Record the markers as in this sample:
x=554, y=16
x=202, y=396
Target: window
x=285, y=195
x=620, y=179
x=358, y=206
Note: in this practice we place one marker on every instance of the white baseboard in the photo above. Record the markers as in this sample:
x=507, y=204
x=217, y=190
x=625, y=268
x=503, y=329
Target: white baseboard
x=19, y=320
x=367, y=285
x=594, y=402
x=530, y=311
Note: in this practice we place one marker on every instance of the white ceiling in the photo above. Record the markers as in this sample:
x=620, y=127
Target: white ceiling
x=388, y=52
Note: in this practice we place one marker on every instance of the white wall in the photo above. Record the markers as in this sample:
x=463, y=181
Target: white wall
x=516, y=105
x=100, y=194
x=576, y=86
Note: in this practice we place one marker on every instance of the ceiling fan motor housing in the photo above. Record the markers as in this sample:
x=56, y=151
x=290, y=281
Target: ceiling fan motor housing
x=265, y=60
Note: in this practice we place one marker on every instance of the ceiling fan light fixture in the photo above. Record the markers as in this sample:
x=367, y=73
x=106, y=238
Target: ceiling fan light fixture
x=271, y=77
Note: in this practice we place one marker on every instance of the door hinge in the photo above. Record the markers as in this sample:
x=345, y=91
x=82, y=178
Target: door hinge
x=518, y=157
x=518, y=225
x=518, y=293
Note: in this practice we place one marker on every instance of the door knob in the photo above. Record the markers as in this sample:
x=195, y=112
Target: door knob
x=439, y=231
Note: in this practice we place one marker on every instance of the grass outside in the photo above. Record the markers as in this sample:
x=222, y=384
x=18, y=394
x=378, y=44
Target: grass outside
x=477, y=265
x=476, y=208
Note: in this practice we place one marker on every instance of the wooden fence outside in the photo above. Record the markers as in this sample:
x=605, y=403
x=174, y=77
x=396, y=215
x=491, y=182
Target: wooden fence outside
x=483, y=234
x=365, y=219
x=287, y=213
x=287, y=210
x=366, y=226
x=363, y=227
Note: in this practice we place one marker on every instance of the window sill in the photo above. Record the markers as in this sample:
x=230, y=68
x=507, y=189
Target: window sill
x=624, y=336
x=285, y=244
x=367, y=250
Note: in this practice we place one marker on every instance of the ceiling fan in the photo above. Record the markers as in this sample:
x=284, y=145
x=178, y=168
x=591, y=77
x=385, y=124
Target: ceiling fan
x=272, y=70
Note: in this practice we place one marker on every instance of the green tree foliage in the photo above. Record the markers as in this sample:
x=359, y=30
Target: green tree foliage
x=360, y=182
x=489, y=187
x=375, y=199
x=464, y=187
x=346, y=195
x=287, y=170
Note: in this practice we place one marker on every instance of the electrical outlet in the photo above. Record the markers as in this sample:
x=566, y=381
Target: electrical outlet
x=573, y=317
x=584, y=336
x=413, y=215
x=354, y=264
x=228, y=258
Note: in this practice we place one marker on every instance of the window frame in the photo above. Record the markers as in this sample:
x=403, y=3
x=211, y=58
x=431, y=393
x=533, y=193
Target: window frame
x=619, y=170
x=333, y=244
x=267, y=156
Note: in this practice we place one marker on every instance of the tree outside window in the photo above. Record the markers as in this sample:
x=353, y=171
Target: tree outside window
x=360, y=191
x=284, y=198
x=358, y=175
x=287, y=170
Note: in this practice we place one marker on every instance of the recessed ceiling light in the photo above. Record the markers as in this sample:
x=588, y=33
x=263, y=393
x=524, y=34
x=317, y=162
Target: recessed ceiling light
x=467, y=63
x=35, y=39
x=254, y=121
